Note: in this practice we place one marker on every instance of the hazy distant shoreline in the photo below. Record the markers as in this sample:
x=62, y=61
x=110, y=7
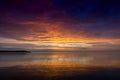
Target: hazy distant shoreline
x=52, y=50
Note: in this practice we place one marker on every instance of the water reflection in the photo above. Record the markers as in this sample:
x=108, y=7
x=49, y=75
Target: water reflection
x=101, y=59
x=61, y=66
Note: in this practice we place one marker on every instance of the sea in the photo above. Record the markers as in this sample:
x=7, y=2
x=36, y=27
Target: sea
x=61, y=65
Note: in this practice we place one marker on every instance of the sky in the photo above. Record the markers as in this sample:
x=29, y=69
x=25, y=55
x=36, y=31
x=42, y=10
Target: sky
x=60, y=24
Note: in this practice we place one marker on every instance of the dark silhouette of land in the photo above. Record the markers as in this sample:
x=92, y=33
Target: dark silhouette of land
x=14, y=52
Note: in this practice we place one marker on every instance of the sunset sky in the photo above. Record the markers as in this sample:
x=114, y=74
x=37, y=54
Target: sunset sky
x=60, y=24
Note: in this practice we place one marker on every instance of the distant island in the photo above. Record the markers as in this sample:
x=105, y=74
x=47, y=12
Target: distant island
x=14, y=52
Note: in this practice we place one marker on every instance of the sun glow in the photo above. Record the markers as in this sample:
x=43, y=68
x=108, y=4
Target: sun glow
x=64, y=44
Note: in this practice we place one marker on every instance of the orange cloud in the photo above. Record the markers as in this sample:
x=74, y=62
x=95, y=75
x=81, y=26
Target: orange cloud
x=50, y=31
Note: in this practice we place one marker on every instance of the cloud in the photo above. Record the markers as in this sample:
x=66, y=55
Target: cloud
x=40, y=21
x=104, y=46
x=57, y=31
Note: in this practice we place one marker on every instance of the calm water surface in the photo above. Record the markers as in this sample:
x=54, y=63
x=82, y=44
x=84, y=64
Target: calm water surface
x=61, y=66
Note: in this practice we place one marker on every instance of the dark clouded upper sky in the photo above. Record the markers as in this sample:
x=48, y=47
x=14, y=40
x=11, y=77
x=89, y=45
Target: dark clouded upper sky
x=60, y=23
